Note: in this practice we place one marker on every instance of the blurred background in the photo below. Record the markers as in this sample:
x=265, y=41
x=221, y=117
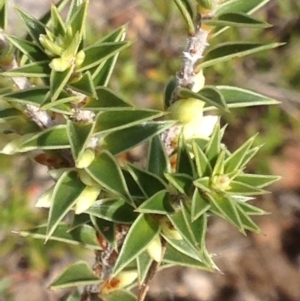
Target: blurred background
x=259, y=267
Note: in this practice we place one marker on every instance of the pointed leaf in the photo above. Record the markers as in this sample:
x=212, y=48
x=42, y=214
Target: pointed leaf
x=225, y=208
x=227, y=51
x=141, y=233
x=235, y=160
x=186, y=14
x=84, y=235
x=106, y=171
x=57, y=22
x=202, y=163
x=158, y=161
x=95, y=54
x=143, y=264
x=247, y=222
x=77, y=274
x=203, y=184
x=79, y=220
x=114, y=120
x=33, y=96
x=77, y=19
x=66, y=192
x=182, y=182
x=199, y=205
x=35, y=69
x=258, y=181
x=35, y=27
x=149, y=183
x=114, y=210
x=250, y=209
x=79, y=135
x=159, y=203
x=31, y=50
x=85, y=85
x=134, y=189
x=213, y=147
x=236, y=20
x=210, y=96
x=238, y=97
x=123, y=140
x=106, y=100
x=3, y=13
x=239, y=188
x=173, y=256
x=58, y=81
x=184, y=164
x=179, y=222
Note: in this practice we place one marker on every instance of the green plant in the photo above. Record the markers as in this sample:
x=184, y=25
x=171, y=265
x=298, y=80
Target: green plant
x=136, y=218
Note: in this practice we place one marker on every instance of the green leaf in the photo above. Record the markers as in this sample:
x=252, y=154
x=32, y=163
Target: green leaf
x=35, y=28
x=77, y=18
x=77, y=274
x=35, y=69
x=83, y=235
x=159, y=203
x=237, y=6
x=184, y=164
x=224, y=207
x=84, y=85
x=52, y=138
x=106, y=171
x=227, y=51
x=199, y=205
x=203, y=184
x=209, y=95
x=3, y=13
x=79, y=135
x=258, y=181
x=31, y=50
x=58, y=27
x=235, y=160
x=106, y=100
x=60, y=6
x=203, y=166
x=247, y=222
x=182, y=182
x=143, y=264
x=125, y=139
x=79, y=220
x=141, y=233
x=250, y=209
x=213, y=148
x=240, y=6
x=58, y=81
x=31, y=96
x=148, y=182
x=114, y=210
x=186, y=13
x=239, y=188
x=238, y=97
x=133, y=187
x=115, y=120
x=173, y=256
x=169, y=90
x=180, y=223
x=236, y=20
x=102, y=73
x=119, y=295
x=95, y=54
x=158, y=161
x=66, y=192
x=106, y=229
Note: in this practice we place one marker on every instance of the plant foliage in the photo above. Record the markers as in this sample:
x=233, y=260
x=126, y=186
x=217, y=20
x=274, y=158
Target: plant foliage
x=137, y=218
